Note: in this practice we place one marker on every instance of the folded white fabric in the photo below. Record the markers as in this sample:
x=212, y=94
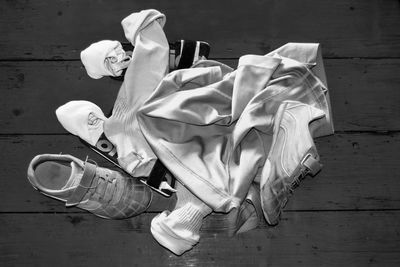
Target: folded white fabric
x=179, y=230
x=213, y=130
x=105, y=58
x=82, y=118
x=147, y=68
x=136, y=22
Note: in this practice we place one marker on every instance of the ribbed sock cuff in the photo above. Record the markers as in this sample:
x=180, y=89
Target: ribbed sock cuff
x=190, y=217
x=179, y=230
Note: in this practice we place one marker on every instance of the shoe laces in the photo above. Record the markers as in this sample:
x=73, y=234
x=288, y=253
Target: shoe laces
x=291, y=186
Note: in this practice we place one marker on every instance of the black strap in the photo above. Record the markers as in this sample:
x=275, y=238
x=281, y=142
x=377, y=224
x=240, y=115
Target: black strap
x=187, y=55
x=204, y=50
x=157, y=174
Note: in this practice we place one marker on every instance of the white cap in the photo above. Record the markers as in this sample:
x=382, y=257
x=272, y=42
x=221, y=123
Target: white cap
x=94, y=57
x=82, y=118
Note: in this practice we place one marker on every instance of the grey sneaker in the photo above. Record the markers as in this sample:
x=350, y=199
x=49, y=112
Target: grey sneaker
x=293, y=155
x=101, y=191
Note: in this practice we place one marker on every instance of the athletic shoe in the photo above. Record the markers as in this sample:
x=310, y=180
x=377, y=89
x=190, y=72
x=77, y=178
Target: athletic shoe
x=293, y=155
x=101, y=191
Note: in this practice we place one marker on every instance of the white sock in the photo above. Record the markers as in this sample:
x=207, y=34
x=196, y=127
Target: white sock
x=82, y=118
x=179, y=230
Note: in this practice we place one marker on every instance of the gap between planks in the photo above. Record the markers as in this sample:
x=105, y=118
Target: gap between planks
x=217, y=214
x=211, y=58
x=370, y=132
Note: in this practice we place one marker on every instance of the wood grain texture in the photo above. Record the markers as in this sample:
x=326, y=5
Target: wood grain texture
x=34, y=90
x=364, y=94
x=305, y=239
x=361, y=171
x=39, y=29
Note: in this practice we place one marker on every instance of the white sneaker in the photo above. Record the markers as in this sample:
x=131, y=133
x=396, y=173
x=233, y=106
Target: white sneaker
x=293, y=155
x=104, y=192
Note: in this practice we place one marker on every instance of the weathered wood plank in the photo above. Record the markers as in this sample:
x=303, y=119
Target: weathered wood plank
x=364, y=93
x=346, y=28
x=34, y=90
x=305, y=239
x=361, y=171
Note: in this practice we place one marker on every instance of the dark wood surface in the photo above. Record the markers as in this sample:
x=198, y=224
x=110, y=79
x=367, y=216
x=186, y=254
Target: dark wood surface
x=42, y=29
x=346, y=238
x=348, y=215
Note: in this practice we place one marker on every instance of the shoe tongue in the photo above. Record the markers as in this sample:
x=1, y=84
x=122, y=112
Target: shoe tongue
x=75, y=177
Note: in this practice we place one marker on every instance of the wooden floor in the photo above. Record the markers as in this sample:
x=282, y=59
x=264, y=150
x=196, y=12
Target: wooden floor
x=349, y=215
